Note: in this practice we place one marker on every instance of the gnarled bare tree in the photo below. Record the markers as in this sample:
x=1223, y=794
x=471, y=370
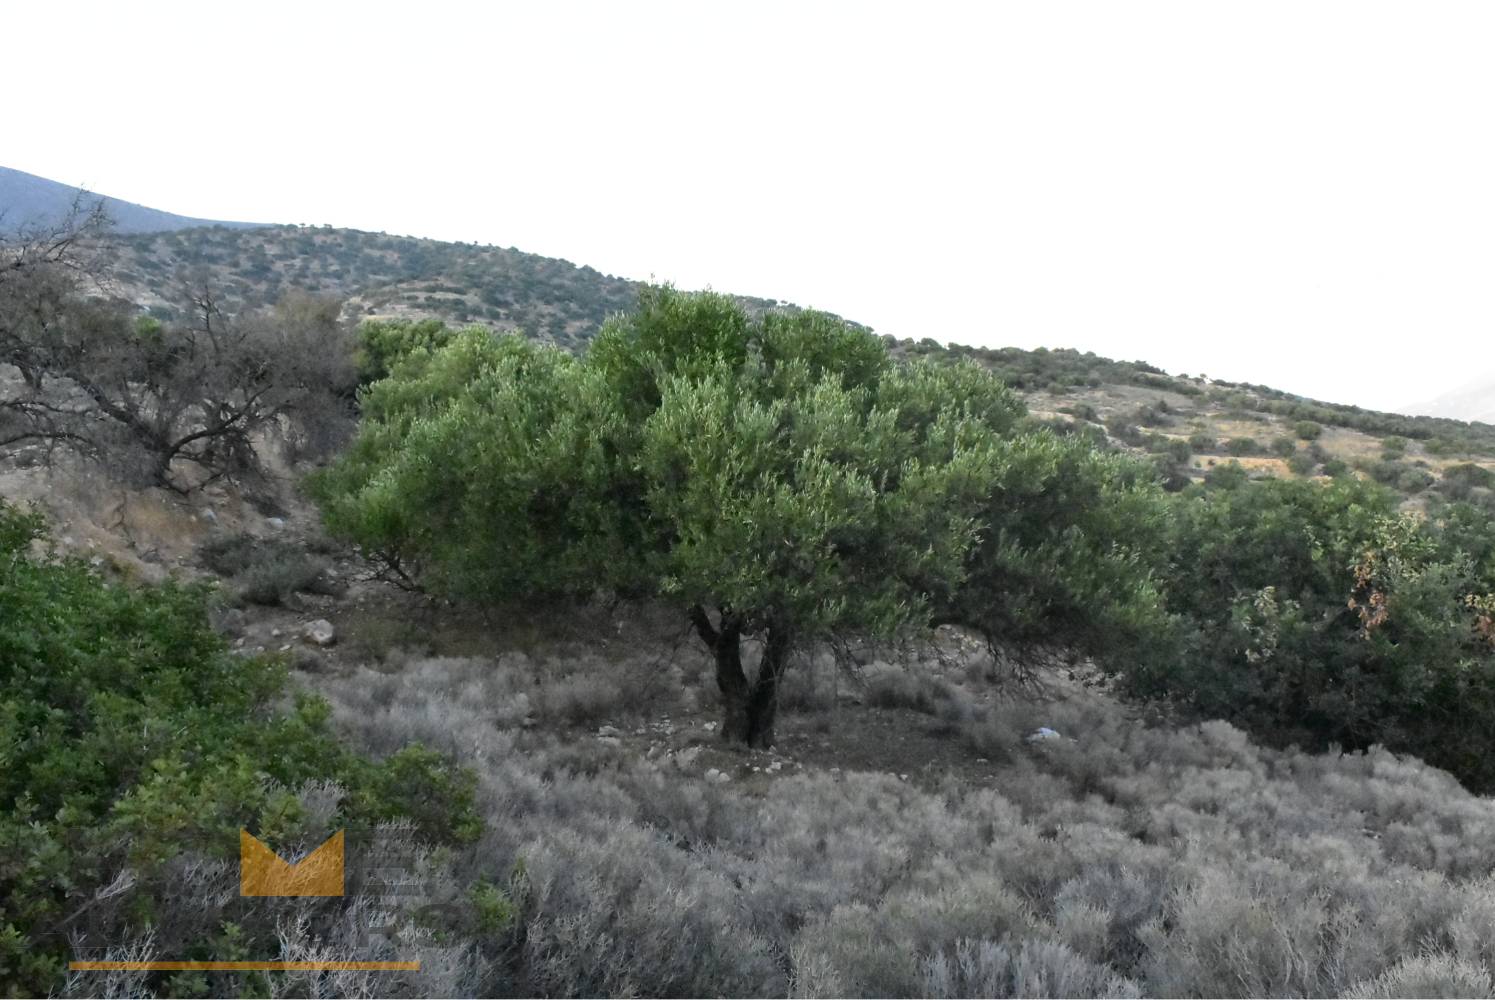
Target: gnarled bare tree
x=176, y=405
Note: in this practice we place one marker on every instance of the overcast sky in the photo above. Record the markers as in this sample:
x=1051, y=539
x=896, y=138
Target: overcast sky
x=1300, y=194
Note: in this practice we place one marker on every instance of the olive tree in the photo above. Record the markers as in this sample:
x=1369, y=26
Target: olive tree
x=777, y=477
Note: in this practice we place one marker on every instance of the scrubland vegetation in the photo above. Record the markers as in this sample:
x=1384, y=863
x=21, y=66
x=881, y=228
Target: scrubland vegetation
x=843, y=671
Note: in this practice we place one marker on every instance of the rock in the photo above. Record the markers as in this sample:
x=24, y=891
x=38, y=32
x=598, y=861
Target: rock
x=319, y=632
x=209, y=515
x=710, y=727
x=716, y=777
x=607, y=731
x=610, y=740
x=1042, y=733
x=278, y=523
x=275, y=633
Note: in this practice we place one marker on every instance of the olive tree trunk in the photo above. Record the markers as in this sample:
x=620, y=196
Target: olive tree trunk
x=748, y=709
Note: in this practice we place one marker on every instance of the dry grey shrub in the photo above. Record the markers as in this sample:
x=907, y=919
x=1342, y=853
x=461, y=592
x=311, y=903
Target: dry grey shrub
x=1122, y=858
x=114, y=983
x=620, y=917
x=1434, y=975
x=1030, y=969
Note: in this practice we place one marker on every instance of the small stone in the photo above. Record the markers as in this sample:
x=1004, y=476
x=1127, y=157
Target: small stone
x=607, y=730
x=981, y=760
x=285, y=648
x=610, y=740
x=716, y=777
x=278, y=523
x=319, y=632
x=275, y=633
x=903, y=777
x=209, y=515
x=1043, y=733
x=710, y=727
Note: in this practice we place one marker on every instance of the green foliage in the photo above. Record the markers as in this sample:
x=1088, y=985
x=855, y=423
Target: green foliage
x=1284, y=446
x=778, y=466
x=1308, y=430
x=1242, y=447
x=382, y=344
x=1202, y=442
x=1301, y=464
x=130, y=736
x=1317, y=614
x=1071, y=539
x=1336, y=468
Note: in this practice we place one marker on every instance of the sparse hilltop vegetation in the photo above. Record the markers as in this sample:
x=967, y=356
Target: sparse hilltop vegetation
x=1189, y=424
x=376, y=274
x=680, y=644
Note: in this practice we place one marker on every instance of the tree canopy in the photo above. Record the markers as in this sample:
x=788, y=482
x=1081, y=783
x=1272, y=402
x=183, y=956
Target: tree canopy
x=778, y=475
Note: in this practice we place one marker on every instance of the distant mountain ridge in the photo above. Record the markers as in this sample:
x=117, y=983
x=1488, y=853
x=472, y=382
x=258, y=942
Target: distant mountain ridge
x=26, y=199
x=1473, y=401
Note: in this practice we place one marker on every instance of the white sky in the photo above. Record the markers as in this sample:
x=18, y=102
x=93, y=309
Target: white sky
x=1300, y=194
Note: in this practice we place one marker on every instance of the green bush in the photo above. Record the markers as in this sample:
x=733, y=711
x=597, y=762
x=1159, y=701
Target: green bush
x=132, y=738
x=1202, y=442
x=1242, y=447
x=1317, y=614
x=1284, y=447
x=1177, y=450
x=1308, y=430
x=1414, y=481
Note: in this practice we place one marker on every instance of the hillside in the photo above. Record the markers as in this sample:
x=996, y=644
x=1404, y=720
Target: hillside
x=1192, y=426
x=1137, y=405
x=381, y=275
x=26, y=199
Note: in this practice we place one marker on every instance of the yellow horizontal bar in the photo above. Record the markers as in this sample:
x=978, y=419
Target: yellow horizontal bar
x=244, y=966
